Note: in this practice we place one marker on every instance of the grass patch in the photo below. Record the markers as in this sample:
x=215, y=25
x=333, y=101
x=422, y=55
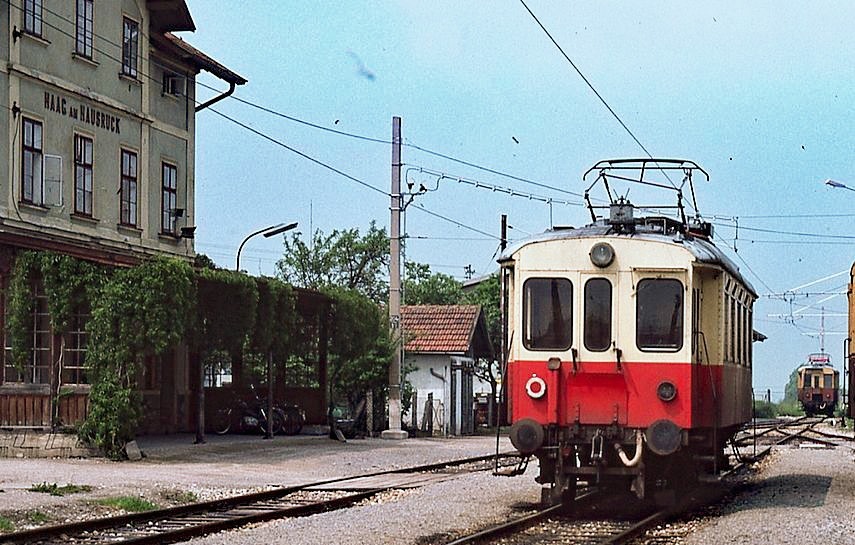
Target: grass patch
x=6, y=525
x=131, y=504
x=55, y=490
x=37, y=517
x=179, y=496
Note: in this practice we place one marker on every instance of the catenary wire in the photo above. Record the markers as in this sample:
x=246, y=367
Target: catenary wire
x=591, y=86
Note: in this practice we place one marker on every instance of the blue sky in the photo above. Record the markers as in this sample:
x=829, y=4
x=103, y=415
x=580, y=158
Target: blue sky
x=760, y=94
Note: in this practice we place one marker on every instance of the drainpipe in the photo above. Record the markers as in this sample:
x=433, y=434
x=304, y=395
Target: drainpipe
x=217, y=98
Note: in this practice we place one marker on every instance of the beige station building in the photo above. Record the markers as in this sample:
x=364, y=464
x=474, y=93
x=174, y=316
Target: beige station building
x=97, y=106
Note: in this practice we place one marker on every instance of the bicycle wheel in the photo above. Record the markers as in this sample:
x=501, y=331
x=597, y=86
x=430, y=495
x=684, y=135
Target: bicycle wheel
x=222, y=421
x=292, y=421
x=277, y=423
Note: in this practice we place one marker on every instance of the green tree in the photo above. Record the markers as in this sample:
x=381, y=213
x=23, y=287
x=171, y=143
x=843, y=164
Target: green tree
x=487, y=294
x=791, y=394
x=341, y=259
x=423, y=288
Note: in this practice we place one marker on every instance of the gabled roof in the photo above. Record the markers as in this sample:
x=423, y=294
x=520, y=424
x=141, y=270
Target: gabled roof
x=442, y=329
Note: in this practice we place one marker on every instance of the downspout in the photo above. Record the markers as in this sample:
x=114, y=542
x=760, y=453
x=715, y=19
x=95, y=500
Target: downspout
x=437, y=375
x=217, y=98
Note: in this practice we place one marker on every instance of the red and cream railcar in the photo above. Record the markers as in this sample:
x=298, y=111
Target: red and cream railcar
x=629, y=357
x=817, y=385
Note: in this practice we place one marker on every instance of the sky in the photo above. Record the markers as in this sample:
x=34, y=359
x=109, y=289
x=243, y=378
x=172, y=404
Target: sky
x=759, y=94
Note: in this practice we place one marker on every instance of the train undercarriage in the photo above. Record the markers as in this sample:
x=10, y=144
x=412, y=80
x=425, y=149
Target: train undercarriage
x=626, y=459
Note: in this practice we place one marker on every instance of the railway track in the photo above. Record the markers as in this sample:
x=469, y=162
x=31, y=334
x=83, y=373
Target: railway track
x=780, y=431
x=580, y=523
x=187, y=521
x=555, y=525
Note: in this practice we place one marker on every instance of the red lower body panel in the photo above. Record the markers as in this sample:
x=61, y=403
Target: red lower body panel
x=598, y=393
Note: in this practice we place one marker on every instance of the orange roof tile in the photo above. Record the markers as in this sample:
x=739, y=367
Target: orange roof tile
x=439, y=328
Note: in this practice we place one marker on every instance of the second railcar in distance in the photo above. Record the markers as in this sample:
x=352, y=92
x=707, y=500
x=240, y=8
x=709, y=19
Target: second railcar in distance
x=818, y=383
x=629, y=353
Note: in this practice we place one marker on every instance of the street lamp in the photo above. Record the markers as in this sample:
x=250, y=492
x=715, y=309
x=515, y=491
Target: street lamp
x=267, y=232
x=839, y=185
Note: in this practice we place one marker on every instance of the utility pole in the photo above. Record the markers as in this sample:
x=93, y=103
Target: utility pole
x=395, y=431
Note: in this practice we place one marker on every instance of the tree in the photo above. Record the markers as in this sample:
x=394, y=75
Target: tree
x=341, y=259
x=423, y=288
x=487, y=294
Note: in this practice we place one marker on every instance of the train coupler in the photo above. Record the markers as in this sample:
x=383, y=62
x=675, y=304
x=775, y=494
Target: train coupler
x=597, y=443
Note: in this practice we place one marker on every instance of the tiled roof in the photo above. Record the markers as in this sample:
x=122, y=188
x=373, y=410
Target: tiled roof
x=439, y=328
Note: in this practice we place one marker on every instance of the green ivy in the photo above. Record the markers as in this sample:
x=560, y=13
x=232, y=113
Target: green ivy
x=226, y=309
x=68, y=282
x=141, y=311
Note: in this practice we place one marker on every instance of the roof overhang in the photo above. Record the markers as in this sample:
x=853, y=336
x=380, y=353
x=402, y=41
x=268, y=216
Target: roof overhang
x=178, y=48
x=170, y=15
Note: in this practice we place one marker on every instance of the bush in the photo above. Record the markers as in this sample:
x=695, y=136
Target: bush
x=765, y=409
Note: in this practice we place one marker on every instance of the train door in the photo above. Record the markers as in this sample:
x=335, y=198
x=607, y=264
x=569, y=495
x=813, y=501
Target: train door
x=597, y=374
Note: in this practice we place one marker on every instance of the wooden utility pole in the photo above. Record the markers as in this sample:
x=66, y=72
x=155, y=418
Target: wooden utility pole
x=395, y=431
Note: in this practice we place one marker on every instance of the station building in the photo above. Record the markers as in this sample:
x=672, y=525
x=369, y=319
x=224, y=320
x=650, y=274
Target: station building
x=98, y=104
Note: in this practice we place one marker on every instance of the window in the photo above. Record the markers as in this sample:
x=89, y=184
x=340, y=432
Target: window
x=84, y=30
x=170, y=191
x=130, y=47
x=129, y=188
x=828, y=382
x=74, y=368
x=33, y=17
x=659, y=314
x=36, y=369
x=173, y=84
x=547, y=314
x=32, y=180
x=598, y=314
x=82, y=175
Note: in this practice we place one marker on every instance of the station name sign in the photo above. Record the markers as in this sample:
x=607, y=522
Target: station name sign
x=83, y=113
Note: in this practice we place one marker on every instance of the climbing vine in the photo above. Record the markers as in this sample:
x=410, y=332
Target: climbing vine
x=226, y=309
x=139, y=312
x=67, y=283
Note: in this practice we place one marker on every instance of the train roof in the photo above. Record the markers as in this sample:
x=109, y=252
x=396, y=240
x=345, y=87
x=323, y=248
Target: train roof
x=651, y=229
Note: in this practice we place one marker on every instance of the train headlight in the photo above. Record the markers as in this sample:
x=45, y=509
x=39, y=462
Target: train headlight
x=666, y=390
x=535, y=387
x=602, y=254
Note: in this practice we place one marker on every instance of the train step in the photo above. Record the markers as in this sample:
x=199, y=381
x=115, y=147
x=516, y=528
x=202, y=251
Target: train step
x=707, y=478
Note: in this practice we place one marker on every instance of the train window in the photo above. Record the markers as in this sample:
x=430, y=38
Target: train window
x=547, y=314
x=829, y=383
x=659, y=314
x=598, y=314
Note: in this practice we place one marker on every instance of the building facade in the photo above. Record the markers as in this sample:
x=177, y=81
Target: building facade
x=441, y=344
x=98, y=103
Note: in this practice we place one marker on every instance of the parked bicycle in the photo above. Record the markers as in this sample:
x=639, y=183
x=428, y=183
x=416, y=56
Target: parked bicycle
x=246, y=416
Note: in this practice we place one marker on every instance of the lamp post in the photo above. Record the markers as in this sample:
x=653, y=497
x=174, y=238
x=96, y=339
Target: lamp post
x=267, y=232
x=839, y=185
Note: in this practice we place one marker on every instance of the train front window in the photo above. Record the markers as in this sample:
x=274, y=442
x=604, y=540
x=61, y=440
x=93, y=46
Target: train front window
x=659, y=314
x=547, y=314
x=598, y=314
x=828, y=382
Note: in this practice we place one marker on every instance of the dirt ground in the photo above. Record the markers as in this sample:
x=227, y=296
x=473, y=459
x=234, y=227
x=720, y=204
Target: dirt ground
x=176, y=471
